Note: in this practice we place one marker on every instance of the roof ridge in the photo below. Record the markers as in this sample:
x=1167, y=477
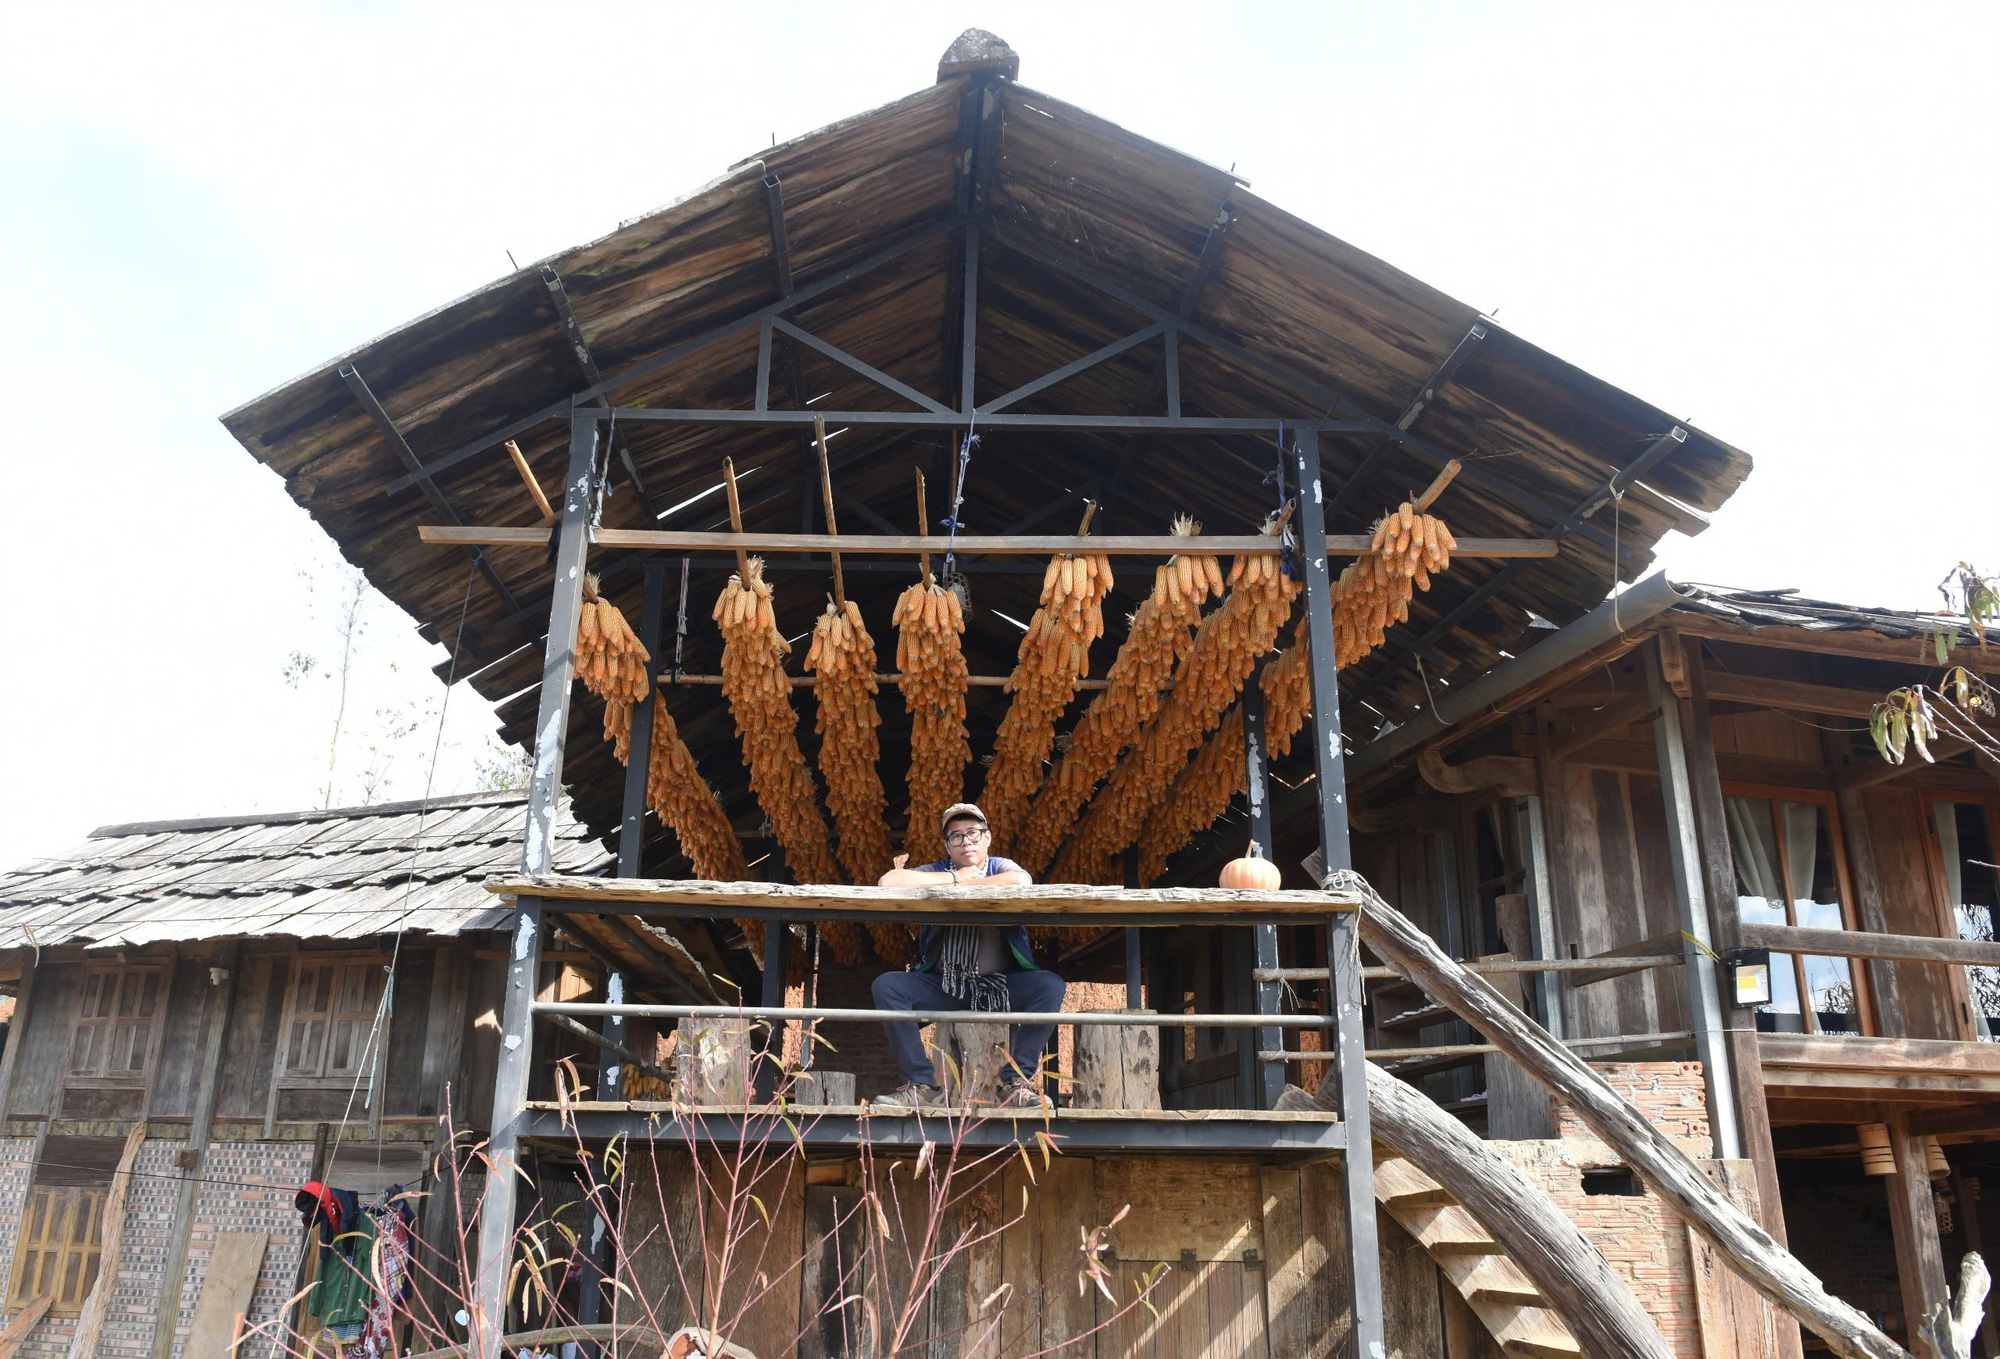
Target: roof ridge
x=494, y=798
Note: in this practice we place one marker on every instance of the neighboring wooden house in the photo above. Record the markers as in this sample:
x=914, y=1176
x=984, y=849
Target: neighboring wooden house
x=220, y=983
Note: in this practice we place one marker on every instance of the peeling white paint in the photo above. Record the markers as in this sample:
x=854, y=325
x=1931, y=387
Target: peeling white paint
x=1316, y=495
x=524, y=937
x=511, y=1041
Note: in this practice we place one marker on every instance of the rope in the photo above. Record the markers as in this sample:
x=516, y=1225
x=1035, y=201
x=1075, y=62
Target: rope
x=965, y=448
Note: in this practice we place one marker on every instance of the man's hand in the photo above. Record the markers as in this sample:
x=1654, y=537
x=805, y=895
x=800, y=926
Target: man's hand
x=899, y=861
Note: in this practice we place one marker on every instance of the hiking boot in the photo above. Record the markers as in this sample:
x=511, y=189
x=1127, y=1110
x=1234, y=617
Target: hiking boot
x=911, y=1095
x=1016, y=1093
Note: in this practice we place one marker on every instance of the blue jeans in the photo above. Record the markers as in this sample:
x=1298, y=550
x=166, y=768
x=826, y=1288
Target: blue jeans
x=1029, y=991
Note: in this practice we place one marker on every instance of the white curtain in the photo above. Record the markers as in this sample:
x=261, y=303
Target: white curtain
x=1762, y=902
x=1973, y=922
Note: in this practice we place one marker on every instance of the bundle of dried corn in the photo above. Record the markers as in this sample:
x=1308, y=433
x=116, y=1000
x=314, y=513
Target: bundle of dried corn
x=1054, y=654
x=1226, y=648
x=1374, y=593
x=932, y=663
x=676, y=791
x=1218, y=773
x=760, y=699
x=611, y=662
x=842, y=659
x=1158, y=635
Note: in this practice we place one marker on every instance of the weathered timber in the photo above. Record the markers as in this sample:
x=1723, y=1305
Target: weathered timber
x=1117, y=1068
x=911, y=545
x=97, y=1306
x=1570, y=1273
x=17, y=1330
x=1913, y=948
x=1664, y=1167
x=1235, y=905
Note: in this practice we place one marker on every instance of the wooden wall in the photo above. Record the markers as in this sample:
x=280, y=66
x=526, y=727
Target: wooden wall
x=1254, y=1260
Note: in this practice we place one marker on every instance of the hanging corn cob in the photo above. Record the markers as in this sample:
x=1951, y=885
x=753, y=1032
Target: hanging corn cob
x=1218, y=773
x=1374, y=593
x=1226, y=648
x=676, y=791
x=932, y=663
x=842, y=659
x=1157, y=636
x=1054, y=654
x=611, y=662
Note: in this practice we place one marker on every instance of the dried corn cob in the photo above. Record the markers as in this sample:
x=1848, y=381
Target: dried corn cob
x=842, y=659
x=1158, y=635
x=1054, y=654
x=611, y=662
x=1409, y=547
x=932, y=663
x=1226, y=648
x=1218, y=773
x=678, y=794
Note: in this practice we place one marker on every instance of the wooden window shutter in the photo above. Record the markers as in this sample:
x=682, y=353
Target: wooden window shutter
x=62, y=1238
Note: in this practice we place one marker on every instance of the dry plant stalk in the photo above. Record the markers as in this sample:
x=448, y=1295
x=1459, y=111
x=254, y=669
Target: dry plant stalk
x=1374, y=593
x=842, y=659
x=611, y=662
x=1225, y=651
x=760, y=699
x=1158, y=635
x=1054, y=654
x=676, y=791
x=1203, y=791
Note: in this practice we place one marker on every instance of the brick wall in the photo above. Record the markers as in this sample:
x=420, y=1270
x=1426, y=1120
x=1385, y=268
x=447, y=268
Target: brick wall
x=1641, y=1238
x=250, y=1187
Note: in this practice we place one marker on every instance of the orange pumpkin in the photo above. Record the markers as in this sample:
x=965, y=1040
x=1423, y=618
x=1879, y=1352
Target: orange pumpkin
x=1253, y=870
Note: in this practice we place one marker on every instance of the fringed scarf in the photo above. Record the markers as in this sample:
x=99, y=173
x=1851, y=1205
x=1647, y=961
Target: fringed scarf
x=959, y=974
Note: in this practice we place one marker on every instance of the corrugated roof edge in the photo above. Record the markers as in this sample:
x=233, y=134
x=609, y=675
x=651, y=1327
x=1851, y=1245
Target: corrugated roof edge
x=198, y=823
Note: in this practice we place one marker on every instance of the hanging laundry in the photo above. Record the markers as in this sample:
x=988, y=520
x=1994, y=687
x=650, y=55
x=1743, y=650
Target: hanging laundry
x=364, y=1266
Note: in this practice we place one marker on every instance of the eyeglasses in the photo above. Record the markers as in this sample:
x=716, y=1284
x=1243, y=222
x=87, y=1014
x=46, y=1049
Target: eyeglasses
x=964, y=837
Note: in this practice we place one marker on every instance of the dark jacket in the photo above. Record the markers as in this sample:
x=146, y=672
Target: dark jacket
x=1015, y=935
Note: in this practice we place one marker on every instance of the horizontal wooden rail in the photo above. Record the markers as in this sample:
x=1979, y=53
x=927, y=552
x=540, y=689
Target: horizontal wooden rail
x=806, y=681
x=1904, y=948
x=1285, y=974
x=549, y=1009
x=1477, y=1049
x=981, y=544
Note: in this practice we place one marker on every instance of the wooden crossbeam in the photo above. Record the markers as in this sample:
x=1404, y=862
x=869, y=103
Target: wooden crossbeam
x=910, y=545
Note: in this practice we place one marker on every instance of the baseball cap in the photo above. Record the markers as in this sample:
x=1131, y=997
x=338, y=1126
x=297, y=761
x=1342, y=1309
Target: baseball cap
x=961, y=809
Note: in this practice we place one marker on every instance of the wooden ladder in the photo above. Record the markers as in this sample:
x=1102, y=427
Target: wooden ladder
x=1499, y=1291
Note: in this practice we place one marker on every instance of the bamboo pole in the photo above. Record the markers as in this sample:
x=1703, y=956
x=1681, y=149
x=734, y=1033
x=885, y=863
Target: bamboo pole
x=534, y=487
x=826, y=498
x=736, y=519
x=923, y=520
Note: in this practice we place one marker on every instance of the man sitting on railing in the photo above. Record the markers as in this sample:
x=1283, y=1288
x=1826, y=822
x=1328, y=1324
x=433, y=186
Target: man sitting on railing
x=968, y=967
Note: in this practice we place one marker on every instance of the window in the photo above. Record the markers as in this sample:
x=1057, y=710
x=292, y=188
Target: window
x=61, y=1238
x=1972, y=890
x=332, y=1011
x=117, y=1020
x=1788, y=872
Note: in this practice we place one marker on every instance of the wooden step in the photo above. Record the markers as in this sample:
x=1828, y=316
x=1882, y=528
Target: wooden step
x=1400, y=1184
x=1529, y=1331
x=1495, y=1278
x=1446, y=1229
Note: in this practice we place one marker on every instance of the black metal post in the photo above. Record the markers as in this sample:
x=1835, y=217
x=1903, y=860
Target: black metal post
x=773, y=1050
x=1344, y=929
x=1135, y=995
x=1265, y=1081
x=515, y=1062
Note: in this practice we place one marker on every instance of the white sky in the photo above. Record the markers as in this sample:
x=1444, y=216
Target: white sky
x=1774, y=221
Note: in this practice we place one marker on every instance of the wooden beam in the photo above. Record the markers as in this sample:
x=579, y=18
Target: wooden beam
x=97, y=1305
x=1914, y=1226
x=1571, y=1274
x=1725, y=686
x=1973, y=1118
x=1645, y=954
x=1874, y=646
x=1628, y=711
x=1774, y=1271
x=1907, y=948
x=1854, y=1054
x=911, y=545
x=1871, y=773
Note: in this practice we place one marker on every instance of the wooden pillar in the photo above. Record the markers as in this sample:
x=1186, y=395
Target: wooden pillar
x=1691, y=898
x=1913, y=1223
x=17, y=1030
x=1344, y=928
x=174, y=1276
x=515, y=1063
x=1718, y=873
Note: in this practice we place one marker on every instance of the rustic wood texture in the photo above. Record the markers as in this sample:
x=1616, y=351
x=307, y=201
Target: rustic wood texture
x=1210, y=1207
x=1116, y=1068
x=97, y=1306
x=226, y=1287
x=1305, y=1261
x=1235, y=905
x=970, y=1061
x=1736, y=1323
x=1666, y=1170
x=1914, y=1226
x=19, y=1328
x=660, y=1243
x=751, y=1294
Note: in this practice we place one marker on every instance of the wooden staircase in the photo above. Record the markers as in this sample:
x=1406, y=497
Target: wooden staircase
x=1499, y=1292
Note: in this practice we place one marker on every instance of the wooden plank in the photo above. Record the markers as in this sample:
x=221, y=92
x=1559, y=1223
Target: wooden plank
x=225, y=1293
x=1895, y=1056
x=1210, y=1207
x=1829, y=642
x=1735, y=1322
x=753, y=1288
x=832, y=1250
x=830, y=900
x=17, y=1330
x=964, y=1325
x=1020, y=1264
x=1305, y=1253
x=1412, y=1319
x=982, y=544
x=1640, y=1145
x=90, y=1322
x=660, y=1248
x=1913, y=1225
x=1064, y=1204
x=1725, y=686
x=1916, y=948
